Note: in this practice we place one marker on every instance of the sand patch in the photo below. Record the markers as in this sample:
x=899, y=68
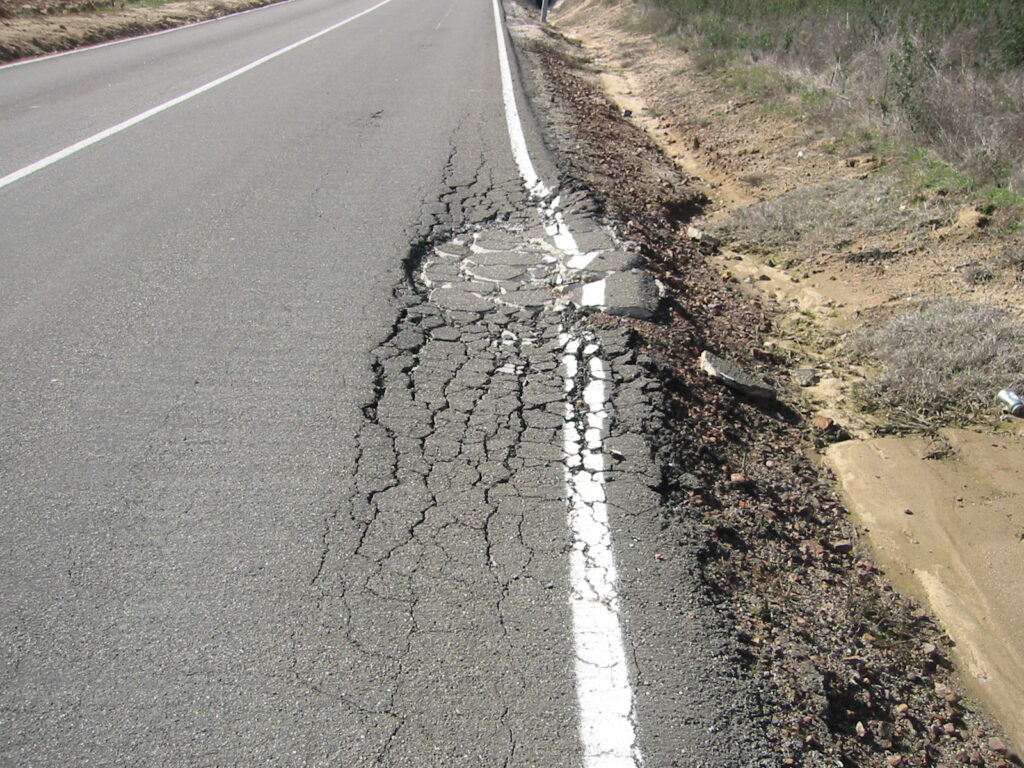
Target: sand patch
x=945, y=519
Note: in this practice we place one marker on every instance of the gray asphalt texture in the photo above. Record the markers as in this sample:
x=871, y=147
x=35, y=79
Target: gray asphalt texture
x=263, y=503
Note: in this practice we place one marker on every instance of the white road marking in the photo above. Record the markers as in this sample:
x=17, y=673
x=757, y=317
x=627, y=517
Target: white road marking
x=56, y=157
x=581, y=260
x=515, y=127
x=593, y=294
x=121, y=40
x=605, y=696
x=446, y=15
x=607, y=726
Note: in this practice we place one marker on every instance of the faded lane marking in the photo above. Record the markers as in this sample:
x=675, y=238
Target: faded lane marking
x=56, y=157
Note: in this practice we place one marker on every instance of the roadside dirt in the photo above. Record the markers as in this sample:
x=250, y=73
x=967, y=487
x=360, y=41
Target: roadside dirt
x=739, y=155
x=853, y=672
x=37, y=27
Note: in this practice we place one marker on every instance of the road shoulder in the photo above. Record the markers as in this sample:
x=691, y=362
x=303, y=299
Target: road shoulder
x=849, y=669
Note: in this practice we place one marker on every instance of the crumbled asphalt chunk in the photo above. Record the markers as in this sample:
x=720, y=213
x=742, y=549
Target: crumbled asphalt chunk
x=631, y=294
x=805, y=377
x=613, y=261
x=733, y=376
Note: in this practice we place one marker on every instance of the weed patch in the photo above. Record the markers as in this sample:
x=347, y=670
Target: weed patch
x=825, y=217
x=941, y=364
x=947, y=73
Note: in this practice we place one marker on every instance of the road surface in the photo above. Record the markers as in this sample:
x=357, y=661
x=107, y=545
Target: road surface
x=263, y=503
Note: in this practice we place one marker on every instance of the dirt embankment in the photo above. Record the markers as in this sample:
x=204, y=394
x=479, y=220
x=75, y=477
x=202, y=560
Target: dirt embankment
x=854, y=672
x=37, y=27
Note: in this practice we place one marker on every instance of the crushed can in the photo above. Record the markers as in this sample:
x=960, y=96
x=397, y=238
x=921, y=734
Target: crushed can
x=1011, y=401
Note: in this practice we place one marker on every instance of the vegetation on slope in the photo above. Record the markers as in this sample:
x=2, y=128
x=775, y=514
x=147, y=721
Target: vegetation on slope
x=949, y=73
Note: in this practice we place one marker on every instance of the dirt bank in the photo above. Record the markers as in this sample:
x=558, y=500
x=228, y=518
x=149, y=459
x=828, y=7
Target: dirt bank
x=853, y=671
x=37, y=28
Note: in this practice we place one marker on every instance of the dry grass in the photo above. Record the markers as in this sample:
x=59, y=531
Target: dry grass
x=948, y=74
x=942, y=364
x=13, y=8
x=826, y=217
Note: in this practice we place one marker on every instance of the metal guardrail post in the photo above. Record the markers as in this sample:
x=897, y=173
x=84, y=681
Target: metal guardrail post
x=544, y=11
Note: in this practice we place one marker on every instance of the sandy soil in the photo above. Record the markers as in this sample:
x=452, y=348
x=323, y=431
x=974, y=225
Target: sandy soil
x=961, y=548
x=34, y=28
x=946, y=518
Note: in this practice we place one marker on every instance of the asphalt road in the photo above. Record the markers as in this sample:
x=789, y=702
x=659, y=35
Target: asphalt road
x=255, y=512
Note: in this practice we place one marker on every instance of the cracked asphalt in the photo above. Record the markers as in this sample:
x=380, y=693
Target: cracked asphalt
x=282, y=447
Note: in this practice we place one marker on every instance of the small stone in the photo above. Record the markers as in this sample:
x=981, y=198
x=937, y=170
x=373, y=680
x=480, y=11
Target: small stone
x=690, y=481
x=894, y=760
x=947, y=693
x=812, y=546
x=701, y=237
x=998, y=745
x=822, y=422
x=862, y=732
x=930, y=649
x=842, y=547
x=805, y=377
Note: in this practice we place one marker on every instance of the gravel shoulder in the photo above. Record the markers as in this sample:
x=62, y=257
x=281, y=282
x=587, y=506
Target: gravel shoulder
x=850, y=671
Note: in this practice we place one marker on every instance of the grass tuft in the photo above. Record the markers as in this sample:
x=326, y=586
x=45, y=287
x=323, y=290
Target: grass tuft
x=825, y=216
x=941, y=364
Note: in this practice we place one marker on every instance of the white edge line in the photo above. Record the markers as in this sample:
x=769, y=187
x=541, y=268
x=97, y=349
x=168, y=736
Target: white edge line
x=606, y=729
x=520, y=152
x=125, y=124
x=132, y=38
